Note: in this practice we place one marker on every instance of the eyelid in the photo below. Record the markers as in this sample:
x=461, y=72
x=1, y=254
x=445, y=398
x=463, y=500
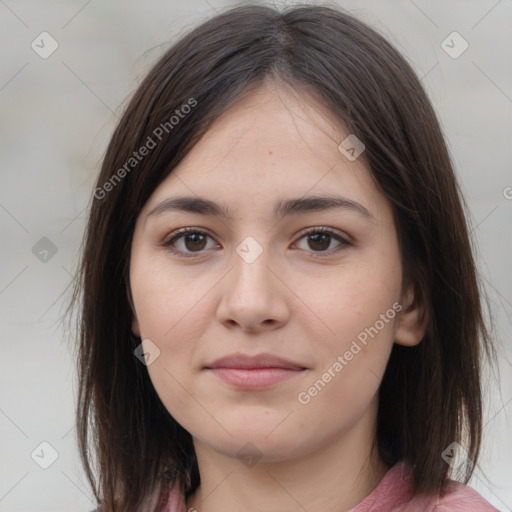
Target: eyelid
x=325, y=229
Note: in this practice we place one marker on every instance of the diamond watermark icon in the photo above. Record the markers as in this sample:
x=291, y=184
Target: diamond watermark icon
x=351, y=147
x=249, y=455
x=44, y=455
x=454, y=45
x=455, y=455
x=44, y=45
x=147, y=352
x=44, y=250
x=249, y=250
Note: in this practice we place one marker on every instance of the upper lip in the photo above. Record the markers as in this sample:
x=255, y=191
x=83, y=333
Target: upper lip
x=244, y=361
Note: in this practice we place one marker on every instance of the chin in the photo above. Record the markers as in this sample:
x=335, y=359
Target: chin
x=251, y=446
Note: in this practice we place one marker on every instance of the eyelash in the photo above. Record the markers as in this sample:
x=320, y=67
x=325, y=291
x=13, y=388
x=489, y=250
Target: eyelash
x=177, y=235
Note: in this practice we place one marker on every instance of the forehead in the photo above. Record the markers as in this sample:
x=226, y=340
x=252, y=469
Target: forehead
x=274, y=143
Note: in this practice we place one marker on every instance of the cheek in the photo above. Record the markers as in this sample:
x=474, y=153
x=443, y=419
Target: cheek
x=354, y=298
x=360, y=314
x=357, y=307
x=172, y=315
x=166, y=297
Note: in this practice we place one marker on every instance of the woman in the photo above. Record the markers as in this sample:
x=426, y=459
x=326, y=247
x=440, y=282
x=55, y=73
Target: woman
x=279, y=303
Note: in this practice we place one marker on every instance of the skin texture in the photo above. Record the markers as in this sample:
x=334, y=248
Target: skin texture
x=295, y=301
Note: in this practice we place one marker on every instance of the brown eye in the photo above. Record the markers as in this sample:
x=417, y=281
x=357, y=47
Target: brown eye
x=319, y=240
x=189, y=241
x=195, y=241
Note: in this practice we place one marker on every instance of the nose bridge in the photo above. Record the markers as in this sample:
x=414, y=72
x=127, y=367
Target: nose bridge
x=251, y=261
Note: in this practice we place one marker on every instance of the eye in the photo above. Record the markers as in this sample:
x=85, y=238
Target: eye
x=319, y=239
x=191, y=239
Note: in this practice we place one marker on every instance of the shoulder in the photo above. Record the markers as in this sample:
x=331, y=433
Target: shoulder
x=462, y=498
x=395, y=494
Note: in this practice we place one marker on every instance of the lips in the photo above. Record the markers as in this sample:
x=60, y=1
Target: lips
x=241, y=361
x=254, y=372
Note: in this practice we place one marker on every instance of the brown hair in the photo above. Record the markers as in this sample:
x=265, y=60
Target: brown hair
x=430, y=395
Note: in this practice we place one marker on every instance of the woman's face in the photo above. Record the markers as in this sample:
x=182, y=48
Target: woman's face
x=321, y=309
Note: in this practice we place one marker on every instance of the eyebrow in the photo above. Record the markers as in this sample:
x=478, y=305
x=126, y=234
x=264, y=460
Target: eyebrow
x=282, y=208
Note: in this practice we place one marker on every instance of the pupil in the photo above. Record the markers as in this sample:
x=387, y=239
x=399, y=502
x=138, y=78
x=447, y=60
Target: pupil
x=196, y=240
x=316, y=238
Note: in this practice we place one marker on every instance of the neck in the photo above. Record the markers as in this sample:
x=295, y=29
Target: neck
x=333, y=478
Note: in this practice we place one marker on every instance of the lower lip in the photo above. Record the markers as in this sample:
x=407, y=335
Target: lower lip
x=257, y=378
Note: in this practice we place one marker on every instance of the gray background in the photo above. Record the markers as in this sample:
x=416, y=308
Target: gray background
x=57, y=115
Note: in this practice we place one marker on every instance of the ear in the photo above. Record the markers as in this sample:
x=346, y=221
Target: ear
x=135, y=322
x=412, y=321
x=135, y=326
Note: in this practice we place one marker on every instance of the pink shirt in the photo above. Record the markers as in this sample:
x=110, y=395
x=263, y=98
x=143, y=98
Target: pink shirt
x=393, y=494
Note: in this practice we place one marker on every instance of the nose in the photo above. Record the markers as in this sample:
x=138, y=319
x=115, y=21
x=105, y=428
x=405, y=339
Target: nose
x=253, y=296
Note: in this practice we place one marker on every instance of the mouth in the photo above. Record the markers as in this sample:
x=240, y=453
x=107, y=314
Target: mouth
x=254, y=372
